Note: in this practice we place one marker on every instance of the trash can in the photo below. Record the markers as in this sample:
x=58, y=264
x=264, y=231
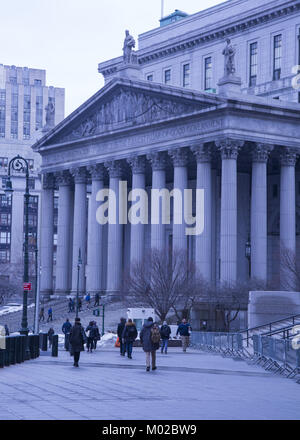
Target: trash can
x=54, y=346
x=96, y=312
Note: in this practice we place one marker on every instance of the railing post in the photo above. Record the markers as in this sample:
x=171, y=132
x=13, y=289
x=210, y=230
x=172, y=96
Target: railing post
x=54, y=346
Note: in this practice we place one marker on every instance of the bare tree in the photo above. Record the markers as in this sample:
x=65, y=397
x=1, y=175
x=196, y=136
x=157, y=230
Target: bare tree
x=289, y=269
x=162, y=283
x=10, y=282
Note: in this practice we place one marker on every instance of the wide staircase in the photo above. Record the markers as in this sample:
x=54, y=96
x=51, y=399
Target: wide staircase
x=281, y=328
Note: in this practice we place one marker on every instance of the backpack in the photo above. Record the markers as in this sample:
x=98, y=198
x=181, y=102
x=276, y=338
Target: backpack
x=131, y=331
x=155, y=334
x=165, y=331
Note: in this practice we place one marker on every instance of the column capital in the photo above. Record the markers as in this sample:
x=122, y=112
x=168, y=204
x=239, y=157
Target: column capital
x=261, y=152
x=63, y=178
x=96, y=171
x=229, y=148
x=79, y=174
x=289, y=156
x=179, y=156
x=138, y=164
x=202, y=153
x=158, y=160
x=48, y=181
x=115, y=168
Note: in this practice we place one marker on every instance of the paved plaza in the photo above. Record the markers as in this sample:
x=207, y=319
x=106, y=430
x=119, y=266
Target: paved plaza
x=194, y=385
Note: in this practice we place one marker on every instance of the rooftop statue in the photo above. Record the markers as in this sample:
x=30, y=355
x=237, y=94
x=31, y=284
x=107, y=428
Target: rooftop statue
x=229, y=55
x=50, y=114
x=129, y=44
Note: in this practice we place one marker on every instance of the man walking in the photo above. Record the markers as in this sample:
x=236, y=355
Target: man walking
x=77, y=341
x=42, y=316
x=50, y=314
x=165, y=332
x=150, y=337
x=66, y=329
x=97, y=300
x=129, y=335
x=120, y=330
x=184, y=331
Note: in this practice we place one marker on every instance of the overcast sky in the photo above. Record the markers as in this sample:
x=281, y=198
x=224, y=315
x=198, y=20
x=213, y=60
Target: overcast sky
x=69, y=38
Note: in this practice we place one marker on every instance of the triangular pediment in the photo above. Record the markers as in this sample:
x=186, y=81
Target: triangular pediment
x=125, y=104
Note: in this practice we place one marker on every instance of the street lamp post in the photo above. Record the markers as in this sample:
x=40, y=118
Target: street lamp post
x=78, y=272
x=248, y=253
x=18, y=163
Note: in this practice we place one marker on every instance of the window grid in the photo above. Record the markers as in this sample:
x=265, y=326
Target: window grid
x=186, y=75
x=167, y=76
x=253, y=64
x=277, y=57
x=208, y=73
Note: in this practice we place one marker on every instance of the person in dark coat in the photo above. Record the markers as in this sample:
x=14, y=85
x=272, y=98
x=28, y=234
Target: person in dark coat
x=42, y=316
x=97, y=299
x=66, y=328
x=165, y=332
x=6, y=330
x=97, y=335
x=120, y=330
x=77, y=340
x=79, y=304
x=129, y=335
x=91, y=334
x=50, y=336
x=149, y=346
x=70, y=304
x=184, y=332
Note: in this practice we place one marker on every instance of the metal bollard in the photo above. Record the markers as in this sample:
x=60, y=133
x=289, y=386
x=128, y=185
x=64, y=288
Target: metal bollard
x=12, y=350
x=31, y=345
x=54, y=346
x=18, y=349
x=44, y=342
x=36, y=346
x=23, y=347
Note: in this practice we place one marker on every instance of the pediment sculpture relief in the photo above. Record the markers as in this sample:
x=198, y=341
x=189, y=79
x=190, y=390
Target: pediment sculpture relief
x=129, y=108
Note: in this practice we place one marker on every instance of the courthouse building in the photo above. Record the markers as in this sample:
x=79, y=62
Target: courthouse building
x=172, y=116
x=23, y=98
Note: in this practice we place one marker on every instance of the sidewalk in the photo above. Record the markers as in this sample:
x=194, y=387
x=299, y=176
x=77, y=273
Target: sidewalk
x=194, y=385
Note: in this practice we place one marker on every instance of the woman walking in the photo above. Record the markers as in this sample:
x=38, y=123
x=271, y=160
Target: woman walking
x=91, y=334
x=129, y=335
x=77, y=340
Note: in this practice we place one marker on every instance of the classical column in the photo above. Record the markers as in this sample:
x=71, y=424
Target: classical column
x=63, y=252
x=260, y=156
x=79, y=228
x=115, y=229
x=288, y=160
x=180, y=161
x=95, y=234
x=204, y=241
x=137, y=234
x=158, y=228
x=47, y=234
x=228, y=238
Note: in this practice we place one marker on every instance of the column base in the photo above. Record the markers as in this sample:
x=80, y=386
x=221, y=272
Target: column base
x=46, y=294
x=59, y=293
x=113, y=295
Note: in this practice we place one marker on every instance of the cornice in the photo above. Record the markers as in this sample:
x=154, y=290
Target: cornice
x=219, y=31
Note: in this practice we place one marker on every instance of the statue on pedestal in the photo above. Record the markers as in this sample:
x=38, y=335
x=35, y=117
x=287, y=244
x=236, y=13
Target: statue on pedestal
x=129, y=44
x=50, y=114
x=229, y=55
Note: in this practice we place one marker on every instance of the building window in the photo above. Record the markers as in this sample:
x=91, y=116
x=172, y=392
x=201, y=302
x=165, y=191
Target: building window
x=277, y=57
x=37, y=82
x=186, y=75
x=39, y=112
x=3, y=164
x=167, y=76
x=5, y=219
x=14, y=114
x=150, y=77
x=253, y=65
x=207, y=73
x=4, y=255
x=4, y=237
x=5, y=201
